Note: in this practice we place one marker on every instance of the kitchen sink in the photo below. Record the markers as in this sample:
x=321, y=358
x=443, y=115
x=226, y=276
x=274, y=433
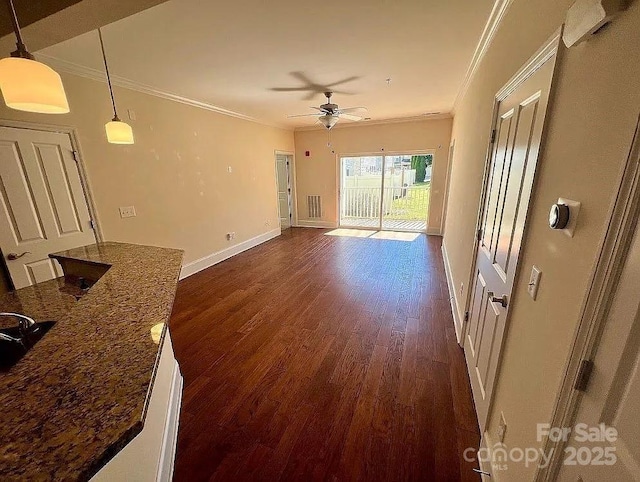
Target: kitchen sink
x=12, y=351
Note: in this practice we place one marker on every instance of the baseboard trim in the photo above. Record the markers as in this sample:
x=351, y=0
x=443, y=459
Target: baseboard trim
x=315, y=224
x=170, y=438
x=434, y=232
x=215, y=258
x=452, y=294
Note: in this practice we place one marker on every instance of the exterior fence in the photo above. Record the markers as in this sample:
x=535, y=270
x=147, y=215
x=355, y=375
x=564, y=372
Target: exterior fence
x=401, y=203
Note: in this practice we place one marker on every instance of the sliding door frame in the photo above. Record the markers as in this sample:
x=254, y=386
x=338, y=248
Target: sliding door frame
x=384, y=154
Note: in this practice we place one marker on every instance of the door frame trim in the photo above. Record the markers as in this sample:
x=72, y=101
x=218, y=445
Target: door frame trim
x=292, y=181
x=290, y=186
x=616, y=242
x=551, y=48
x=72, y=132
x=445, y=203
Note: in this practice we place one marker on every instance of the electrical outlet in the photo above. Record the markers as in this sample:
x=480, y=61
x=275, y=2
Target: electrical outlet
x=128, y=212
x=461, y=288
x=502, y=428
x=229, y=169
x=231, y=235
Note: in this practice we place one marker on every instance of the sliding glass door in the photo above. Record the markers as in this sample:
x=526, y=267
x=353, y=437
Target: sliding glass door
x=361, y=191
x=389, y=192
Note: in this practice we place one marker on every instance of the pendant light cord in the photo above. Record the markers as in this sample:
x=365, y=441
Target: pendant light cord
x=21, y=47
x=106, y=69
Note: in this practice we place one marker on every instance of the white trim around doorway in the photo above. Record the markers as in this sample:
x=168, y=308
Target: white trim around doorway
x=292, y=180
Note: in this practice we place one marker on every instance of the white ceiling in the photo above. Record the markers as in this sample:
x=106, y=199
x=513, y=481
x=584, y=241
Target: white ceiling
x=232, y=54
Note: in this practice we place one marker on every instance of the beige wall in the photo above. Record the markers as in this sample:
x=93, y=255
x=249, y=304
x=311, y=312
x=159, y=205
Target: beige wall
x=176, y=174
x=590, y=130
x=317, y=174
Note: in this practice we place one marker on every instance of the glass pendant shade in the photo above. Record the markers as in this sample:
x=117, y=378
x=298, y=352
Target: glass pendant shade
x=328, y=120
x=119, y=132
x=32, y=86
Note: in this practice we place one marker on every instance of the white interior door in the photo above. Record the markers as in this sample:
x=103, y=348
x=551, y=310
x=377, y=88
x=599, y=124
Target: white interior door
x=613, y=395
x=511, y=173
x=284, y=190
x=43, y=207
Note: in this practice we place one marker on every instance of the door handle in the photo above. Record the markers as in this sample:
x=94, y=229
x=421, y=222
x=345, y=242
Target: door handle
x=14, y=256
x=503, y=300
x=482, y=472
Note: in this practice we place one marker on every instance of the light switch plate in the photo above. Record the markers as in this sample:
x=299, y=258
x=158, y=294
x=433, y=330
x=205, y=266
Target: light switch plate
x=128, y=212
x=534, y=282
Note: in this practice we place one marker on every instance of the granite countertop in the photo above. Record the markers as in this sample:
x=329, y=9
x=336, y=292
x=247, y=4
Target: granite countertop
x=81, y=393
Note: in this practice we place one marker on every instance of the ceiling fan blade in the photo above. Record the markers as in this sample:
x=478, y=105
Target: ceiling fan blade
x=324, y=111
x=289, y=89
x=304, y=115
x=344, y=81
x=352, y=109
x=350, y=117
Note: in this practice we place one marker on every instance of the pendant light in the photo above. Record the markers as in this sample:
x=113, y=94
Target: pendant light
x=118, y=132
x=27, y=84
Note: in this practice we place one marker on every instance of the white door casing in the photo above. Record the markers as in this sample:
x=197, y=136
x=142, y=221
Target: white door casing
x=613, y=394
x=607, y=287
x=43, y=208
x=510, y=176
x=284, y=190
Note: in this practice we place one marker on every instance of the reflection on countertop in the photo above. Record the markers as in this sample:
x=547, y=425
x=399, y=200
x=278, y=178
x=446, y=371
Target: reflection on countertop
x=81, y=393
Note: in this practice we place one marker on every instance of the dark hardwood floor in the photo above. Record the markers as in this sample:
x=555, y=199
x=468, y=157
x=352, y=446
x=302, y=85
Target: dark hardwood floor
x=315, y=357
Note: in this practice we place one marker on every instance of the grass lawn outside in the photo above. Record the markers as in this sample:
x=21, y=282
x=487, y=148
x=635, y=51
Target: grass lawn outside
x=414, y=206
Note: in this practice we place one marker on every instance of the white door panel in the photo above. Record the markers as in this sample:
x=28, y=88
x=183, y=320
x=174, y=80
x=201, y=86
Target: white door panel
x=510, y=178
x=42, y=203
x=284, y=190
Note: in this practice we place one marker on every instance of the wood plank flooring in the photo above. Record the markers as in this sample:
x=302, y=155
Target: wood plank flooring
x=316, y=357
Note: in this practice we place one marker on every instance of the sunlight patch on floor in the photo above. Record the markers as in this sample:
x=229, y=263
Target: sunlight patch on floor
x=363, y=233
x=395, y=236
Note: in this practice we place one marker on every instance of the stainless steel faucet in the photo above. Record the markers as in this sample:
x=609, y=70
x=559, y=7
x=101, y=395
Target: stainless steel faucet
x=5, y=337
x=26, y=323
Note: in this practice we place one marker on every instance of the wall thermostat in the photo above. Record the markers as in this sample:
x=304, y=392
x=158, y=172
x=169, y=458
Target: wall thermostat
x=559, y=216
x=563, y=216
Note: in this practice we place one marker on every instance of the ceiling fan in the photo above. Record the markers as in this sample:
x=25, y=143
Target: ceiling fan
x=328, y=114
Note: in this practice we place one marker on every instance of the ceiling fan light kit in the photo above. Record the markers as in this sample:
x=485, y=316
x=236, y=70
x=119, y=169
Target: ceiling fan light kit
x=329, y=114
x=29, y=85
x=328, y=120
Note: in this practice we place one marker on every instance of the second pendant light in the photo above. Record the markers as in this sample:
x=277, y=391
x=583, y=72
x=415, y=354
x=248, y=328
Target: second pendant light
x=118, y=132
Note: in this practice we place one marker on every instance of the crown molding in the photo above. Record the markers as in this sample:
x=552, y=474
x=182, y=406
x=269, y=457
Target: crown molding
x=392, y=120
x=72, y=68
x=498, y=12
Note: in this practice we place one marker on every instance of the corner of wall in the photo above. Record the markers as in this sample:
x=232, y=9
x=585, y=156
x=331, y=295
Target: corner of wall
x=219, y=256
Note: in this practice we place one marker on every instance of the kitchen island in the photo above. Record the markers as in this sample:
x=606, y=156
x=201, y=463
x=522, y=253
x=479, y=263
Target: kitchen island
x=86, y=390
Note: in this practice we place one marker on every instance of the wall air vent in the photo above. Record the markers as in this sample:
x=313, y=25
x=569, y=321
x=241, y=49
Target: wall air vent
x=315, y=206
